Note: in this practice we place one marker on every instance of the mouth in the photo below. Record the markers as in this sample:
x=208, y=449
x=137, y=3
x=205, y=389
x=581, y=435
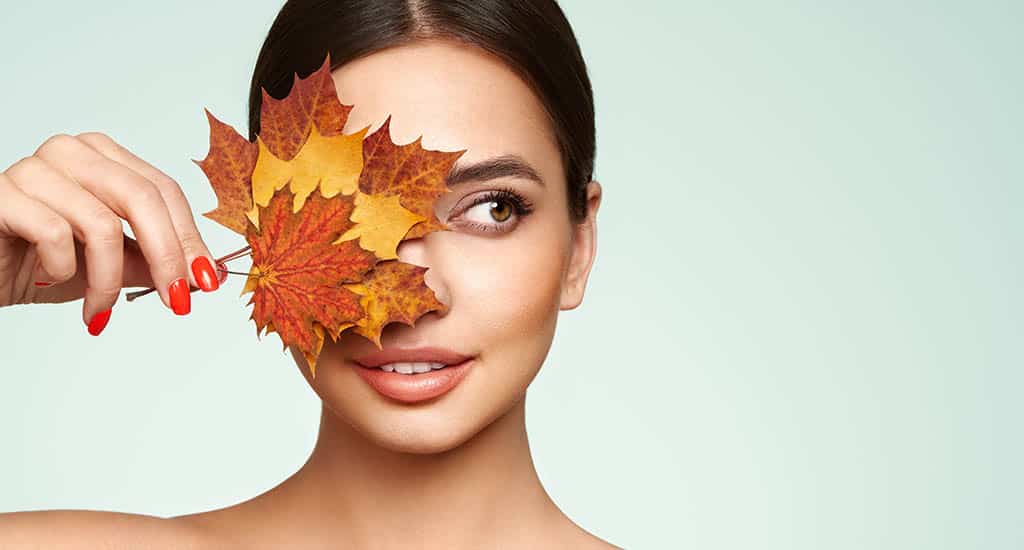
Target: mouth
x=410, y=368
x=413, y=375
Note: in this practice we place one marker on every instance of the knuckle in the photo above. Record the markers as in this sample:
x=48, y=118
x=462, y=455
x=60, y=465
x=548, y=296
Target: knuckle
x=140, y=199
x=57, y=142
x=166, y=184
x=95, y=137
x=24, y=168
x=105, y=227
x=57, y=232
x=149, y=196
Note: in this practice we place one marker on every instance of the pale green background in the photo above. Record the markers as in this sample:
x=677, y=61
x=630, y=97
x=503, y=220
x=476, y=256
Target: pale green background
x=803, y=327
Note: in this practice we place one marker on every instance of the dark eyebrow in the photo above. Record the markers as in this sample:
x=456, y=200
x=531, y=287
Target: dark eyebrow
x=504, y=166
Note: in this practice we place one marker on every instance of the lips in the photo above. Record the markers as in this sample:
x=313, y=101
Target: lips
x=413, y=388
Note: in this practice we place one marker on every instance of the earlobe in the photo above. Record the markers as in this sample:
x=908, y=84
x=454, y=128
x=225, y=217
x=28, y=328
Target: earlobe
x=584, y=250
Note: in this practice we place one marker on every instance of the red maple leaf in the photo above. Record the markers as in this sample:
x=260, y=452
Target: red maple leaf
x=297, y=274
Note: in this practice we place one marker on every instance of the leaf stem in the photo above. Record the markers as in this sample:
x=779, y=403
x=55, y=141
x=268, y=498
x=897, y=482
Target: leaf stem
x=241, y=252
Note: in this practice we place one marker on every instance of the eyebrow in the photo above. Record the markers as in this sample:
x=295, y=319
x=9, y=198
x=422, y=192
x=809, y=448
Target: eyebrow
x=504, y=166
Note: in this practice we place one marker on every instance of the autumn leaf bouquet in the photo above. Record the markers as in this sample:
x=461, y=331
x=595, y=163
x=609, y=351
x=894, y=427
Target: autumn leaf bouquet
x=323, y=214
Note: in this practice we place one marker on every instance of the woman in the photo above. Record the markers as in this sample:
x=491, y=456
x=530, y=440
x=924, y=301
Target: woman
x=391, y=468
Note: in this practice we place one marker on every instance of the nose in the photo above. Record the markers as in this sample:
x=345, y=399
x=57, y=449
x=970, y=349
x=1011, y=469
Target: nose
x=418, y=252
x=413, y=251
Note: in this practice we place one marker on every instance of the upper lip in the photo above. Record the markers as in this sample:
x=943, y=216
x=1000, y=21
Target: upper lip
x=411, y=355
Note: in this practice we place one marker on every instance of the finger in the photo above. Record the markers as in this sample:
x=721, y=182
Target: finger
x=197, y=254
x=95, y=225
x=135, y=199
x=26, y=218
x=136, y=270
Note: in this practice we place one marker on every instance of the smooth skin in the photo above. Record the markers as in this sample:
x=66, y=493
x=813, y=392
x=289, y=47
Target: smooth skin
x=453, y=472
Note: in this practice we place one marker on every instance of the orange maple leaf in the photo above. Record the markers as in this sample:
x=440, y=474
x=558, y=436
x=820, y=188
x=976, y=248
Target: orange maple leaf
x=285, y=123
x=416, y=175
x=393, y=291
x=229, y=165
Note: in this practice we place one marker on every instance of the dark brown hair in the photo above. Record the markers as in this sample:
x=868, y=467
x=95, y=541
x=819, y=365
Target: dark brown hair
x=532, y=36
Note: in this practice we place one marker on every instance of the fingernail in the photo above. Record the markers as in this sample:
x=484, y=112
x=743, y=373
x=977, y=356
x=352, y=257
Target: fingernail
x=181, y=298
x=222, y=272
x=204, y=274
x=99, y=322
x=40, y=283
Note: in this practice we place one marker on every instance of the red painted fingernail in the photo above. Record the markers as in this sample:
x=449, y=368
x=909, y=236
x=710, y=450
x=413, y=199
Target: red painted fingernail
x=222, y=272
x=181, y=298
x=99, y=322
x=204, y=274
x=38, y=283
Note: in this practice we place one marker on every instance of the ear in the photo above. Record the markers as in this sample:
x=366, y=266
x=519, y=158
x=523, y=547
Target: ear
x=584, y=249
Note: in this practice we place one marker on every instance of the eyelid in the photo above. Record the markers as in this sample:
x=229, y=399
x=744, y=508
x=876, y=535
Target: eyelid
x=509, y=194
x=521, y=206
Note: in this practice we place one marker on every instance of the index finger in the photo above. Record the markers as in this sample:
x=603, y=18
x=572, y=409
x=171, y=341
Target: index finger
x=197, y=254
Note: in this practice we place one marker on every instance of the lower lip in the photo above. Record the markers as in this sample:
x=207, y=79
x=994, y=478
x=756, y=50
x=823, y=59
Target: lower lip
x=413, y=388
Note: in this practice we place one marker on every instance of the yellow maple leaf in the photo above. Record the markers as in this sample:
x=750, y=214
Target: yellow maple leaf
x=381, y=223
x=332, y=163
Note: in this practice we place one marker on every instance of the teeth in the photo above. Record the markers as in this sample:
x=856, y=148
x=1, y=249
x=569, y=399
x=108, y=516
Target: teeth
x=411, y=368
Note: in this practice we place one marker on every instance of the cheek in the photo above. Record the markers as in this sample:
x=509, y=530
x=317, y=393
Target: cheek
x=504, y=294
x=507, y=288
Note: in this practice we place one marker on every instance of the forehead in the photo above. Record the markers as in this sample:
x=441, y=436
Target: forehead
x=456, y=96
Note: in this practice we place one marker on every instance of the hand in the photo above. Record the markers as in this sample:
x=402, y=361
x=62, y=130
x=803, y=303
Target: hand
x=61, y=232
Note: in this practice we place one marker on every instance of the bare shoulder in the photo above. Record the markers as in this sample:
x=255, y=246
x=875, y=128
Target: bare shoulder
x=74, y=529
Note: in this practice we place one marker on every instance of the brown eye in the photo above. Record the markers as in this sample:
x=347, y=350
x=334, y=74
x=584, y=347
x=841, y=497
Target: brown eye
x=500, y=214
x=491, y=212
x=496, y=211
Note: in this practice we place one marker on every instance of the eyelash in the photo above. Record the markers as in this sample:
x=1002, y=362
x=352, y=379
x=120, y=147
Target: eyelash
x=520, y=205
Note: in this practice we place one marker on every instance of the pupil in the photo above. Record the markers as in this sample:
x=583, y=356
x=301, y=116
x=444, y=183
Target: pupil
x=500, y=214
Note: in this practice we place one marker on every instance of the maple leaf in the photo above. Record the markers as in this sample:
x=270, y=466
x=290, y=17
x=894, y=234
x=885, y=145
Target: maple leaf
x=324, y=213
x=229, y=165
x=285, y=123
x=297, y=272
x=332, y=163
x=381, y=224
x=416, y=175
x=393, y=291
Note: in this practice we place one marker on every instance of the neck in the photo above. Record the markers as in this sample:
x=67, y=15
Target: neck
x=471, y=496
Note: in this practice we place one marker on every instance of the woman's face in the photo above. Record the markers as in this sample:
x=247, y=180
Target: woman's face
x=504, y=274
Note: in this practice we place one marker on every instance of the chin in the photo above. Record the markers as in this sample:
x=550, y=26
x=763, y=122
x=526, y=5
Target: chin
x=414, y=439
